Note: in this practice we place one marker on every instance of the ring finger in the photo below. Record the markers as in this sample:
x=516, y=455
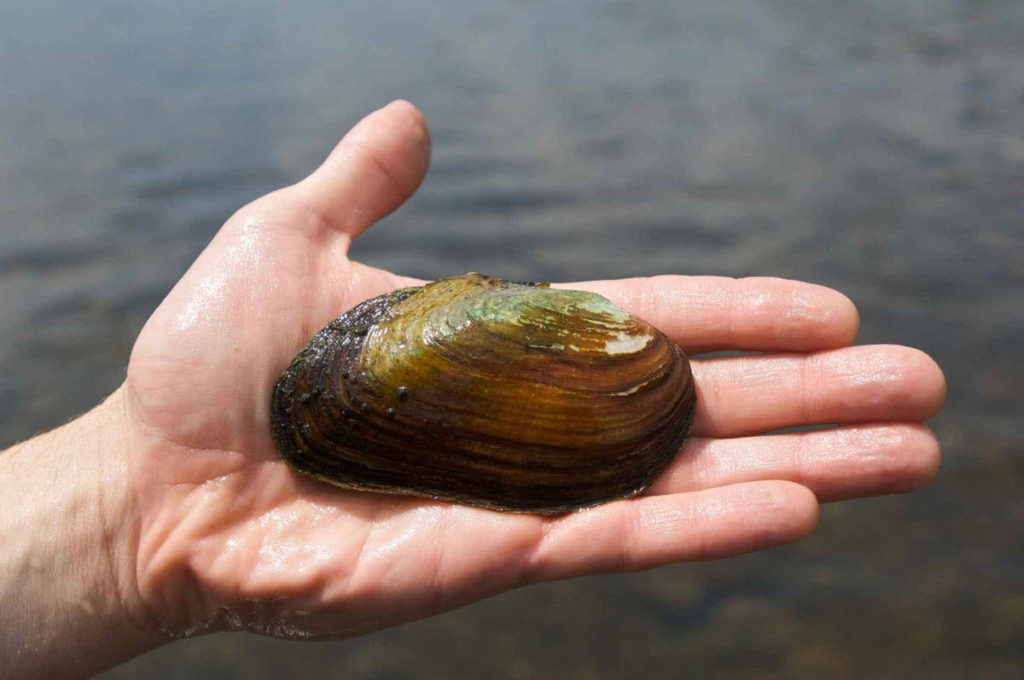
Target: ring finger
x=844, y=462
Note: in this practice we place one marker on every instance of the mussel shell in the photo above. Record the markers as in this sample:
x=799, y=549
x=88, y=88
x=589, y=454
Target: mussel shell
x=481, y=391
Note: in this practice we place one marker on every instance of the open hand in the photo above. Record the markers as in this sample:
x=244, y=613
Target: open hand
x=228, y=537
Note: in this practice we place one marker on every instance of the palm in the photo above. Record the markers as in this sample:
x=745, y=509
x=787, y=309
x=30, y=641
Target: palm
x=231, y=537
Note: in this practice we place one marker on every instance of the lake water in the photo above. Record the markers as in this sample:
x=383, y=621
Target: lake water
x=873, y=146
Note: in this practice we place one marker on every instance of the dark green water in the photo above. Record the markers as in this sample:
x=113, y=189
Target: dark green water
x=876, y=147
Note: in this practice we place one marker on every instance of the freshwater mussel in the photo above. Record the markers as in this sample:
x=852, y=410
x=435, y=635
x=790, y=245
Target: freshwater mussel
x=481, y=391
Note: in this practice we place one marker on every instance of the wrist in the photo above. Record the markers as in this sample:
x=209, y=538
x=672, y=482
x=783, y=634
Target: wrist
x=68, y=546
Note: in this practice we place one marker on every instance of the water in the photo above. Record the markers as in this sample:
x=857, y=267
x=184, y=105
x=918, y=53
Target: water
x=876, y=147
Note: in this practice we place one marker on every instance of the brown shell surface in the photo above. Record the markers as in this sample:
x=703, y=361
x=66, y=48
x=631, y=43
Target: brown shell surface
x=485, y=392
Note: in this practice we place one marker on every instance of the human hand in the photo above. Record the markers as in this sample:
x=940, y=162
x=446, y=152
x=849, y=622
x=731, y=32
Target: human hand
x=225, y=536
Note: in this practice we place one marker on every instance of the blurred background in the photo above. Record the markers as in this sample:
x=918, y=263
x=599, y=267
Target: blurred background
x=873, y=146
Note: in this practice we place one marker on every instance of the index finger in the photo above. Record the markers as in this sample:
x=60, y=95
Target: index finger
x=712, y=313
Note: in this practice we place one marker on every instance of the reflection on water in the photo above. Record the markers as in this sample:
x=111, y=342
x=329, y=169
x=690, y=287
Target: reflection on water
x=877, y=147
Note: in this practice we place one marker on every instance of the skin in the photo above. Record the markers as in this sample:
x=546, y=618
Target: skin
x=165, y=512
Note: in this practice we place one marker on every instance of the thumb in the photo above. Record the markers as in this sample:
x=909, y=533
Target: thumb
x=371, y=171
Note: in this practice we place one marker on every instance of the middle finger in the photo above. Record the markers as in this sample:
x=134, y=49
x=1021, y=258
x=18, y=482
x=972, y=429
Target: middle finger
x=750, y=394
